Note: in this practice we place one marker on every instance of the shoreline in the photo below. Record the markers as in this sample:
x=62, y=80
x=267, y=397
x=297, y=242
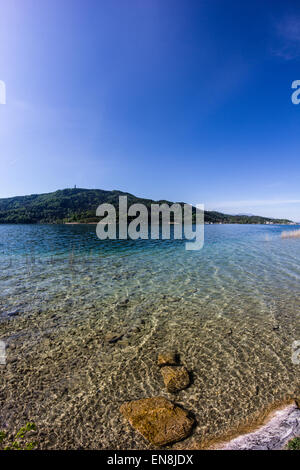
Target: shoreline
x=273, y=433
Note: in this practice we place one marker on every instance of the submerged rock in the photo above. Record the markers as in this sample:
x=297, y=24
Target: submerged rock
x=113, y=337
x=175, y=378
x=158, y=420
x=167, y=358
x=14, y=313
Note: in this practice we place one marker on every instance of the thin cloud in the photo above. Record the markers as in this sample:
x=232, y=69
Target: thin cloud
x=288, y=37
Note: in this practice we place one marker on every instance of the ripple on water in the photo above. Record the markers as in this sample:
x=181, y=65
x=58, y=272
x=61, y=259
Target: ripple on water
x=230, y=310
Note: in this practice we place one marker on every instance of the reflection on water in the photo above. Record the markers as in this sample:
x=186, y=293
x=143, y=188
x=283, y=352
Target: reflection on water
x=231, y=310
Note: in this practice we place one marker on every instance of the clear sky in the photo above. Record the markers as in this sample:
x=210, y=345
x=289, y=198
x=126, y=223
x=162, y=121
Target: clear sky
x=177, y=99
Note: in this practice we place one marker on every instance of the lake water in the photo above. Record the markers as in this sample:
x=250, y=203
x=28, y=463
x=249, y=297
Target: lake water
x=231, y=310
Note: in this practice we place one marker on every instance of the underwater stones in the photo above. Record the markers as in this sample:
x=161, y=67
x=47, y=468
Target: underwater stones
x=113, y=337
x=14, y=313
x=158, y=420
x=134, y=329
x=122, y=303
x=167, y=358
x=175, y=378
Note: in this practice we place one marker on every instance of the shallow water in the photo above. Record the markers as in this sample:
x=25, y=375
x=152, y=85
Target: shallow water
x=282, y=426
x=231, y=310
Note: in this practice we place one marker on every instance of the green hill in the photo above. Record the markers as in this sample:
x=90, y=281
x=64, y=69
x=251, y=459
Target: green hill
x=79, y=205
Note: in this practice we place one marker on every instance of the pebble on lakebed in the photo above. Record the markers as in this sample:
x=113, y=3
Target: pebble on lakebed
x=158, y=420
x=113, y=337
x=176, y=378
x=168, y=358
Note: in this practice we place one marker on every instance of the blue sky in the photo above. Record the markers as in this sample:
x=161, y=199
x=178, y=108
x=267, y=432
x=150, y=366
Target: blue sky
x=182, y=100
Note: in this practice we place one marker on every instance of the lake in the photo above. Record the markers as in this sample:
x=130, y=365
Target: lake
x=231, y=310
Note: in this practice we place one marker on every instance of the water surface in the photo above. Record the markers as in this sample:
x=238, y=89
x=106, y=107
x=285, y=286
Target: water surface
x=231, y=311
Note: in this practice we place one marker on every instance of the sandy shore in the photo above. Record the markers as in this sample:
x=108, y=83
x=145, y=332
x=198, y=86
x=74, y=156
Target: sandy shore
x=282, y=425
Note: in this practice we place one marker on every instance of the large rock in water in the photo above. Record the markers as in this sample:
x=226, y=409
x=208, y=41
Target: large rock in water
x=175, y=378
x=167, y=358
x=158, y=420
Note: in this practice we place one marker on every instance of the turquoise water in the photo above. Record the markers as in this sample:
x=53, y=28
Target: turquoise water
x=231, y=310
